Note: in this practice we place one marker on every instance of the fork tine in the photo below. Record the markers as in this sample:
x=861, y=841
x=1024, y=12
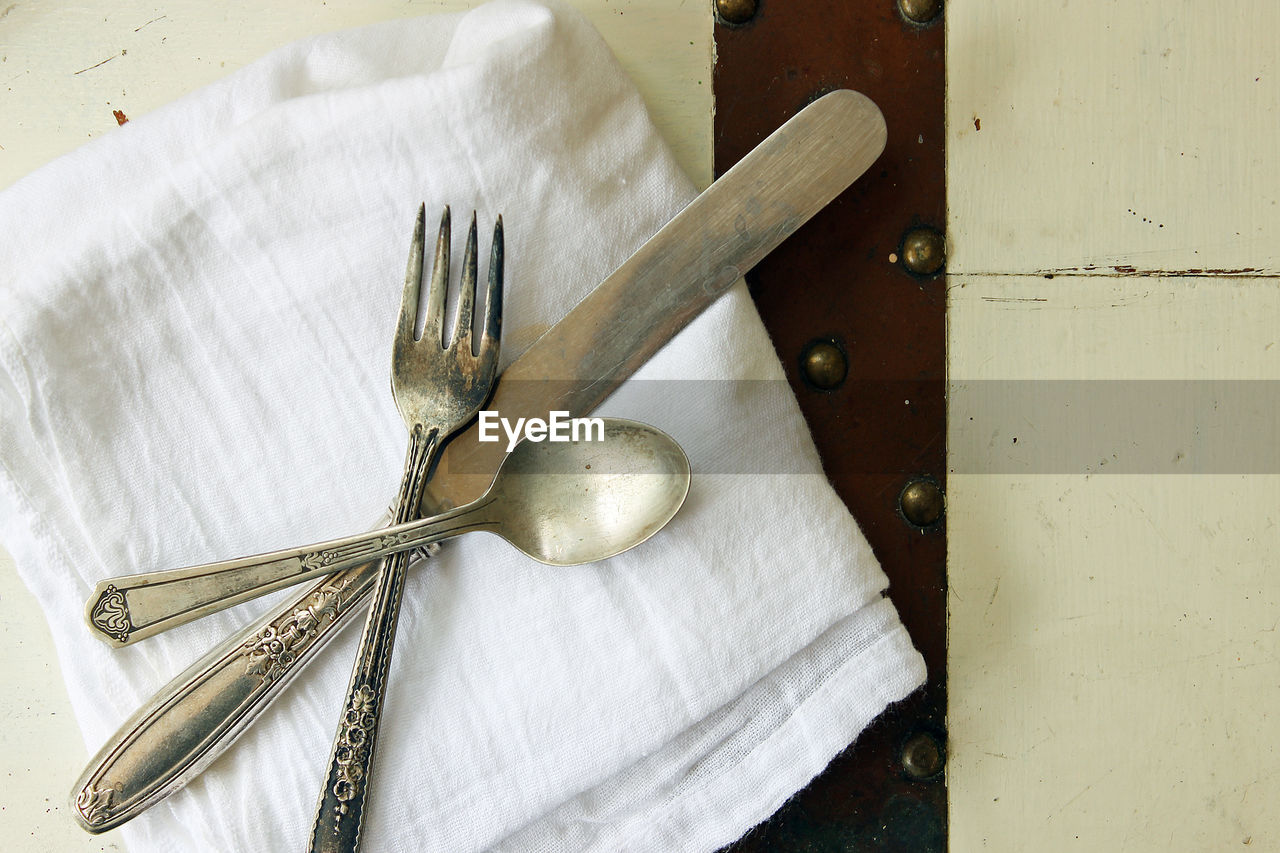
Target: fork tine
x=433, y=327
x=493, y=295
x=466, y=292
x=412, y=281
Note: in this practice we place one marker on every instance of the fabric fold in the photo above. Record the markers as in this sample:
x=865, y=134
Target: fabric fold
x=195, y=327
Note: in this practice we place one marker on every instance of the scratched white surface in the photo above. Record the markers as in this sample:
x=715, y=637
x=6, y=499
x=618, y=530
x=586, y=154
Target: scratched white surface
x=64, y=69
x=1086, y=133
x=1114, y=661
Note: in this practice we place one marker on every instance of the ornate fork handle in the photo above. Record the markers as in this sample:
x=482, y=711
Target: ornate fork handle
x=341, y=808
x=439, y=385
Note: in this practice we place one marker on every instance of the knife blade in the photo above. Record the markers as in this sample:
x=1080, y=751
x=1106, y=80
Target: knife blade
x=574, y=366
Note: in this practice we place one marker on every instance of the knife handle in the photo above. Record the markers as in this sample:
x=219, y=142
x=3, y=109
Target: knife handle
x=198, y=714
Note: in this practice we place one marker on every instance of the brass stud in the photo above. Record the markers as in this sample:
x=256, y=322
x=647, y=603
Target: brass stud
x=824, y=365
x=736, y=11
x=923, y=251
x=922, y=756
x=921, y=502
x=920, y=11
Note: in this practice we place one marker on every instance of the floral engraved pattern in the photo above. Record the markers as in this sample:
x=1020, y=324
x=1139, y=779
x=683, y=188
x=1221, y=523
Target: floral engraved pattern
x=274, y=648
x=359, y=724
x=111, y=615
x=94, y=803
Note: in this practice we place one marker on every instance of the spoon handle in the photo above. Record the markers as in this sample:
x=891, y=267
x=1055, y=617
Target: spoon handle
x=126, y=609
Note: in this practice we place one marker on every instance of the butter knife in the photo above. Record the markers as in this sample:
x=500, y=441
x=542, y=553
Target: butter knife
x=573, y=367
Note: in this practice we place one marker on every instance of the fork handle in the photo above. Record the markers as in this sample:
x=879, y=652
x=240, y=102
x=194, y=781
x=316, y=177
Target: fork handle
x=340, y=811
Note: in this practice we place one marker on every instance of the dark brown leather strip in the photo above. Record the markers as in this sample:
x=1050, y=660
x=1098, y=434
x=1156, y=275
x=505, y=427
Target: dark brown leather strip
x=839, y=297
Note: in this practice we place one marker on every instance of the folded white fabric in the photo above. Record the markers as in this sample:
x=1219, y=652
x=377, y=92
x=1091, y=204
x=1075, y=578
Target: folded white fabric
x=195, y=326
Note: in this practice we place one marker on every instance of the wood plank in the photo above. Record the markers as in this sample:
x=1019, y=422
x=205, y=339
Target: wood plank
x=1112, y=638
x=1092, y=135
x=1112, y=646
x=1106, y=327
x=839, y=283
x=67, y=67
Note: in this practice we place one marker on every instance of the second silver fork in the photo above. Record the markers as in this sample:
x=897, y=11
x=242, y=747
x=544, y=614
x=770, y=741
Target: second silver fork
x=438, y=389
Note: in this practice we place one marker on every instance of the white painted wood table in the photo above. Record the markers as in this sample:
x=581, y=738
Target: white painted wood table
x=1113, y=658
x=1114, y=665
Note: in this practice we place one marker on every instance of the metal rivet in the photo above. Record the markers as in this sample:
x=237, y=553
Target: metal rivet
x=921, y=502
x=736, y=11
x=920, y=11
x=824, y=364
x=923, y=251
x=922, y=756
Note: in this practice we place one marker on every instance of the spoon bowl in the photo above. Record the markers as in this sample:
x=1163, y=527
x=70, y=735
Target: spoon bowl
x=567, y=503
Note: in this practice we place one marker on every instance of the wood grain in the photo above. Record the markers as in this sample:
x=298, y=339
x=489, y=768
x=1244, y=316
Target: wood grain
x=1085, y=136
x=66, y=68
x=1112, y=215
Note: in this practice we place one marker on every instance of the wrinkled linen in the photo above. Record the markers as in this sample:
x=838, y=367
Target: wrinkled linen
x=195, y=327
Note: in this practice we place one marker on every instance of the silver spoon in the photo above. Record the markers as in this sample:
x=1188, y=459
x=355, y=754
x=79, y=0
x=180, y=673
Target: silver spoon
x=561, y=503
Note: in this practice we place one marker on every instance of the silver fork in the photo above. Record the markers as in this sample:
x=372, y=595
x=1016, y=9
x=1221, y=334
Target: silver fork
x=438, y=389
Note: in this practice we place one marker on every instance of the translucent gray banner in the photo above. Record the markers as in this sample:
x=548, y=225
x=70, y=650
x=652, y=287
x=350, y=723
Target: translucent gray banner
x=993, y=426
x=1113, y=427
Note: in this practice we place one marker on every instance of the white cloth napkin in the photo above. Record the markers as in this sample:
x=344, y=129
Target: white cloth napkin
x=195, y=326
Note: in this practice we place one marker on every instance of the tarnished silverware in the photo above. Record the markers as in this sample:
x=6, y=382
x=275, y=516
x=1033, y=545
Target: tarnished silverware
x=606, y=496
x=681, y=270
x=438, y=389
